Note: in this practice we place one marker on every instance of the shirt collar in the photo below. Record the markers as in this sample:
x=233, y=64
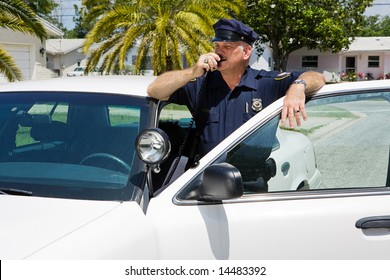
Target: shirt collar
x=248, y=80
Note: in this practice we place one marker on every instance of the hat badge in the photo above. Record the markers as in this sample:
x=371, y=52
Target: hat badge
x=257, y=104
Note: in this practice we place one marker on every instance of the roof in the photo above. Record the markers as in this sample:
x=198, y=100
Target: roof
x=116, y=84
x=51, y=30
x=369, y=44
x=63, y=46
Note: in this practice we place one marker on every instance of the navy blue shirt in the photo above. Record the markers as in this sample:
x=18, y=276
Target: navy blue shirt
x=221, y=110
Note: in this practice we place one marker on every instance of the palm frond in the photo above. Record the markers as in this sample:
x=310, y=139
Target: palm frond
x=29, y=20
x=8, y=67
x=166, y=30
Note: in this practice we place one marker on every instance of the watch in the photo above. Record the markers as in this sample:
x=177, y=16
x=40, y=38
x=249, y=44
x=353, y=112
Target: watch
x=300, y=81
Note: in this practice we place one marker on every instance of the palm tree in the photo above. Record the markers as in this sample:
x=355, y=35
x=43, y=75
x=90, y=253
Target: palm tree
x=164, y=28
x=17, y=16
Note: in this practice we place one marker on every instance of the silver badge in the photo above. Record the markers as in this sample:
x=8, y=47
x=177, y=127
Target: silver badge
x=257, y=104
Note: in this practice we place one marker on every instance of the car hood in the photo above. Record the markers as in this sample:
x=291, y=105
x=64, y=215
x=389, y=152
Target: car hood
x=29, y=224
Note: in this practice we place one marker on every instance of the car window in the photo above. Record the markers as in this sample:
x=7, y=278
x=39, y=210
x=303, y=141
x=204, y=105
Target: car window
x=351, y=138
x=71, y=145
x=176, y=121
x=123, y=115
x=344, y=144
x=175, y=113
x=253, y=157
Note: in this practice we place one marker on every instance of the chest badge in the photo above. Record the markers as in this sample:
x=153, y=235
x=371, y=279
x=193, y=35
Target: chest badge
x=257, y=104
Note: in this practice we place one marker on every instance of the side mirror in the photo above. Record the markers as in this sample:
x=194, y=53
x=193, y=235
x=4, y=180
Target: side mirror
x=221, y=181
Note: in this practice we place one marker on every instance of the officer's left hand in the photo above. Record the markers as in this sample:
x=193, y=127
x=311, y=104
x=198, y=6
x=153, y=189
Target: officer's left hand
x=294, y=105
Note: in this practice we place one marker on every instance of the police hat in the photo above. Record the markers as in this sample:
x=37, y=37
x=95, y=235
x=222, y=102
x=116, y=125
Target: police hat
x=232, y=30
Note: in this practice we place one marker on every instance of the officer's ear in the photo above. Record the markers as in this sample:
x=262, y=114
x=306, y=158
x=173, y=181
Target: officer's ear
x=247, y=49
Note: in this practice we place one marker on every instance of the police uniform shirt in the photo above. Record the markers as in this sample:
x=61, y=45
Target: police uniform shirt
x=221, y=110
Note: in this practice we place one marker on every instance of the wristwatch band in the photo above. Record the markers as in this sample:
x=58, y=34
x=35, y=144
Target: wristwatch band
x=300, y=81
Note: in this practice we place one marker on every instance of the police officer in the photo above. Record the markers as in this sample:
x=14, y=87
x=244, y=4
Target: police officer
x=232, y=92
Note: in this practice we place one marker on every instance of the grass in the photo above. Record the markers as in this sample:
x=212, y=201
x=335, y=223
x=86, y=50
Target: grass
x=175, y=107
x=307, y=132
x=23, y=137
x=329, y=112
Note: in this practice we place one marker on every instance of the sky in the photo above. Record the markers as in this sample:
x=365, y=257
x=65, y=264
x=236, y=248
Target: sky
x=380, y=7
x=66, y=11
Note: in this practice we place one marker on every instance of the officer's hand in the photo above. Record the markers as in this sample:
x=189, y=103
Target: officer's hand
x=206, y=63
x=294, y=105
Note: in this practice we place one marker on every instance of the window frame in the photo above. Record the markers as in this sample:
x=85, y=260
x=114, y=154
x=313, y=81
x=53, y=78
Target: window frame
x=373, y=61
x=309, y=61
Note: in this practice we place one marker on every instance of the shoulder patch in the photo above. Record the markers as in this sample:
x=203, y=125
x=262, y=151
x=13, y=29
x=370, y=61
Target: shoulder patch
x=282, y=76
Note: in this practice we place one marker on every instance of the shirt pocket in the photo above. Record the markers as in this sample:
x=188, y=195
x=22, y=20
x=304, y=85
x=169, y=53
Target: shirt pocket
x=213, y=117
x=211, y=132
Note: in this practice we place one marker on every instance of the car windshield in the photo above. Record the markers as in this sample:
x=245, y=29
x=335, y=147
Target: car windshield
x=70, y=145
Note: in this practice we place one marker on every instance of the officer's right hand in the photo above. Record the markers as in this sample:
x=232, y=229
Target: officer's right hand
x=206, y=62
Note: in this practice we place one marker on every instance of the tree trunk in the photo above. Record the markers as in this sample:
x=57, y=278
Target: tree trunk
x=280, y=61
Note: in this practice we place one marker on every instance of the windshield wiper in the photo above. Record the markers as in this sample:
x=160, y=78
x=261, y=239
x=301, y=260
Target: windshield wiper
x=11, y=191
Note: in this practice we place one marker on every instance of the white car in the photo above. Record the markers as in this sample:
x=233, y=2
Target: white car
x=88, y=170
x=80, y=71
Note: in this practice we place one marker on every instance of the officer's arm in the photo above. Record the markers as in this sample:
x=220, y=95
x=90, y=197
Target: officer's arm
x=167, y=83
x=294, y=102
x=314, y=81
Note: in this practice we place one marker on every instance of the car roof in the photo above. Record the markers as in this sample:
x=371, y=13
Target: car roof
x=354, y=86
x=137, y=85
x=116, y=84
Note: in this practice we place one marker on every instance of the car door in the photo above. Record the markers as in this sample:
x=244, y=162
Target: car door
x=342, y=212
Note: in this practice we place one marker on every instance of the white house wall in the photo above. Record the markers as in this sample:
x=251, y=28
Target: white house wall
x=24, y=49
x=362, y=62
x=336, y=62
x=386, y=63
x=264, y=61
x=65, y=63
x=327, y=61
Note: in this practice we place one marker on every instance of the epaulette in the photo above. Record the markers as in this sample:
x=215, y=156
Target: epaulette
x=272, y=74
x=282, y=76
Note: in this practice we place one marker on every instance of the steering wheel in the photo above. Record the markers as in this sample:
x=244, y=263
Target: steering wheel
x=105, y=160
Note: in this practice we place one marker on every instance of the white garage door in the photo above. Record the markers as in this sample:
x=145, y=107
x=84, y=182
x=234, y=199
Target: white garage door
x=21, y=55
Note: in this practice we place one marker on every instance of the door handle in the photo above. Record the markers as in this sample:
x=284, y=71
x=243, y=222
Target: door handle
x=374, y=222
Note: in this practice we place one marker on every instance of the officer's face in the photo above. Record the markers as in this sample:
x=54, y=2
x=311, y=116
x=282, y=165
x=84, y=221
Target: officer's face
x=232, y=53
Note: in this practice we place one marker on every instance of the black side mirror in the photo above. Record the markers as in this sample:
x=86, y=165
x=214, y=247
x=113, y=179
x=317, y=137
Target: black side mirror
x=221, y=181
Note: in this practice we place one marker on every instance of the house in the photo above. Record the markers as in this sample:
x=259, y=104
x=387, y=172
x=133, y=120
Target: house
x=28, y=51
x=368, y=57
x=64, y=55
x=264, y=61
